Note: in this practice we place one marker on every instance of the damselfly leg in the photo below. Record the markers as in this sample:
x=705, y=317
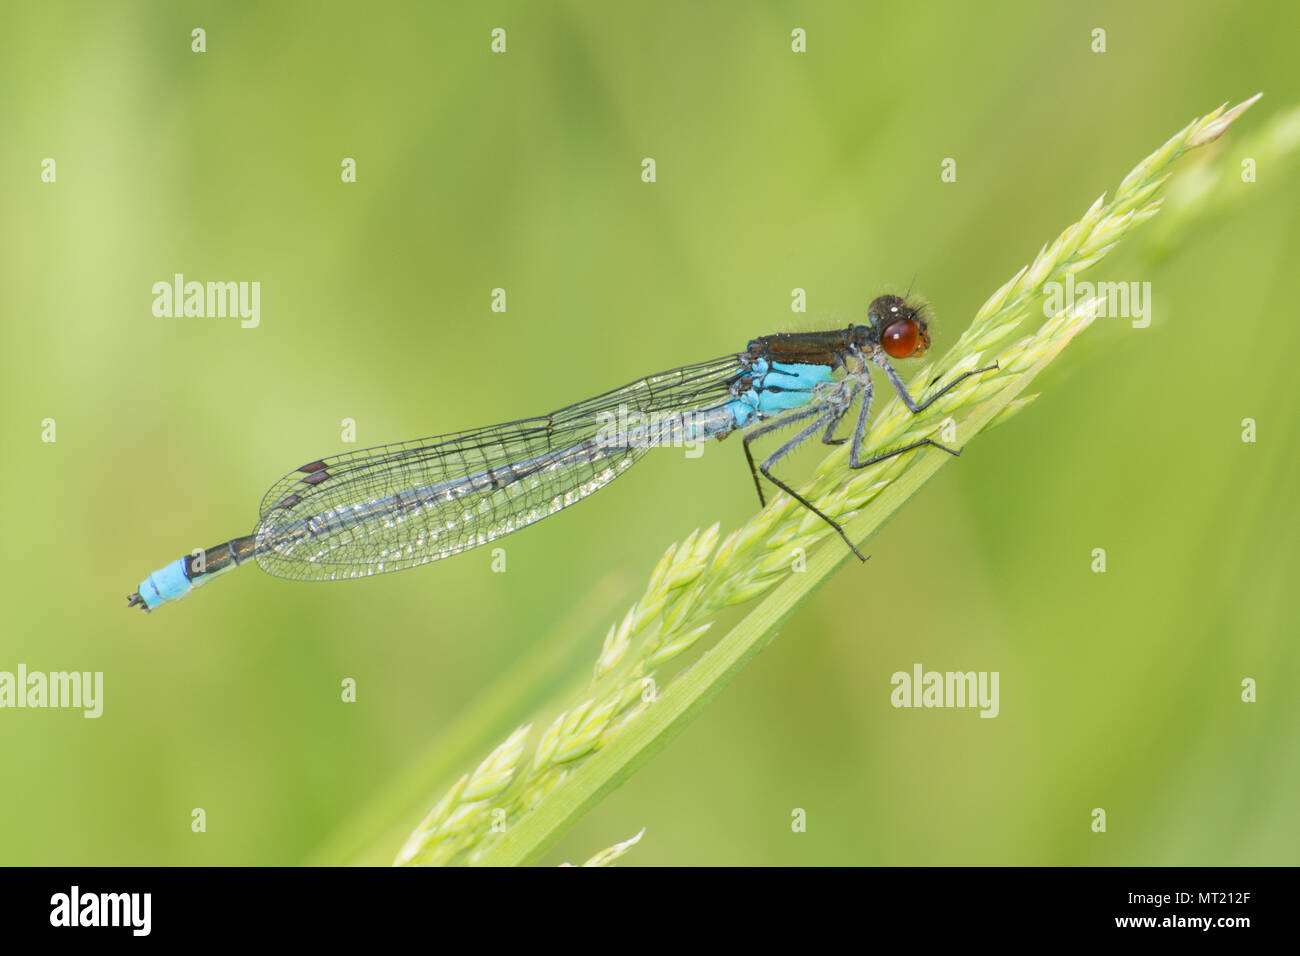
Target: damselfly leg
x=827, y=415
x=859, y=433
x=771, y=425
x=823, y=416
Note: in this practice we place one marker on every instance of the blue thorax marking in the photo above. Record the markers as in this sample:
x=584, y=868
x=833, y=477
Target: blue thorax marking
x=777, y=387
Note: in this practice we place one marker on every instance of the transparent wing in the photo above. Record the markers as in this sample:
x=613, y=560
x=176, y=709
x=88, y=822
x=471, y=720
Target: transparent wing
x=401, y=505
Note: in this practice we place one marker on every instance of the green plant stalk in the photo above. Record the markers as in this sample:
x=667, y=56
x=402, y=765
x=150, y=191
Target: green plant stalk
x=525, y=842
x=590, y=748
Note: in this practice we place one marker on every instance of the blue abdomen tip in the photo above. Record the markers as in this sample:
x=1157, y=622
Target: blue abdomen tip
x=166, y=584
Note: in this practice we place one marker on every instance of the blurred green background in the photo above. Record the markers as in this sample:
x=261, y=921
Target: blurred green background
x=775, y=171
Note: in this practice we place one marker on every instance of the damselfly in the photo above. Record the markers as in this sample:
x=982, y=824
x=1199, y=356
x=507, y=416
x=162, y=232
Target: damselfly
x=398, y=506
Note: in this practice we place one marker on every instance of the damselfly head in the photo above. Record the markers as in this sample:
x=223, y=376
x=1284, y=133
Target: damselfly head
x=899, y=328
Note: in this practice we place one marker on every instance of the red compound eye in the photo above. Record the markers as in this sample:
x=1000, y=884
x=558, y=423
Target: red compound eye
x=900, y=339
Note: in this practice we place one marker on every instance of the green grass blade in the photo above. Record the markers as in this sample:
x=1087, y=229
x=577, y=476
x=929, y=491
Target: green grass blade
x=526, y=793
x=691, y=692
